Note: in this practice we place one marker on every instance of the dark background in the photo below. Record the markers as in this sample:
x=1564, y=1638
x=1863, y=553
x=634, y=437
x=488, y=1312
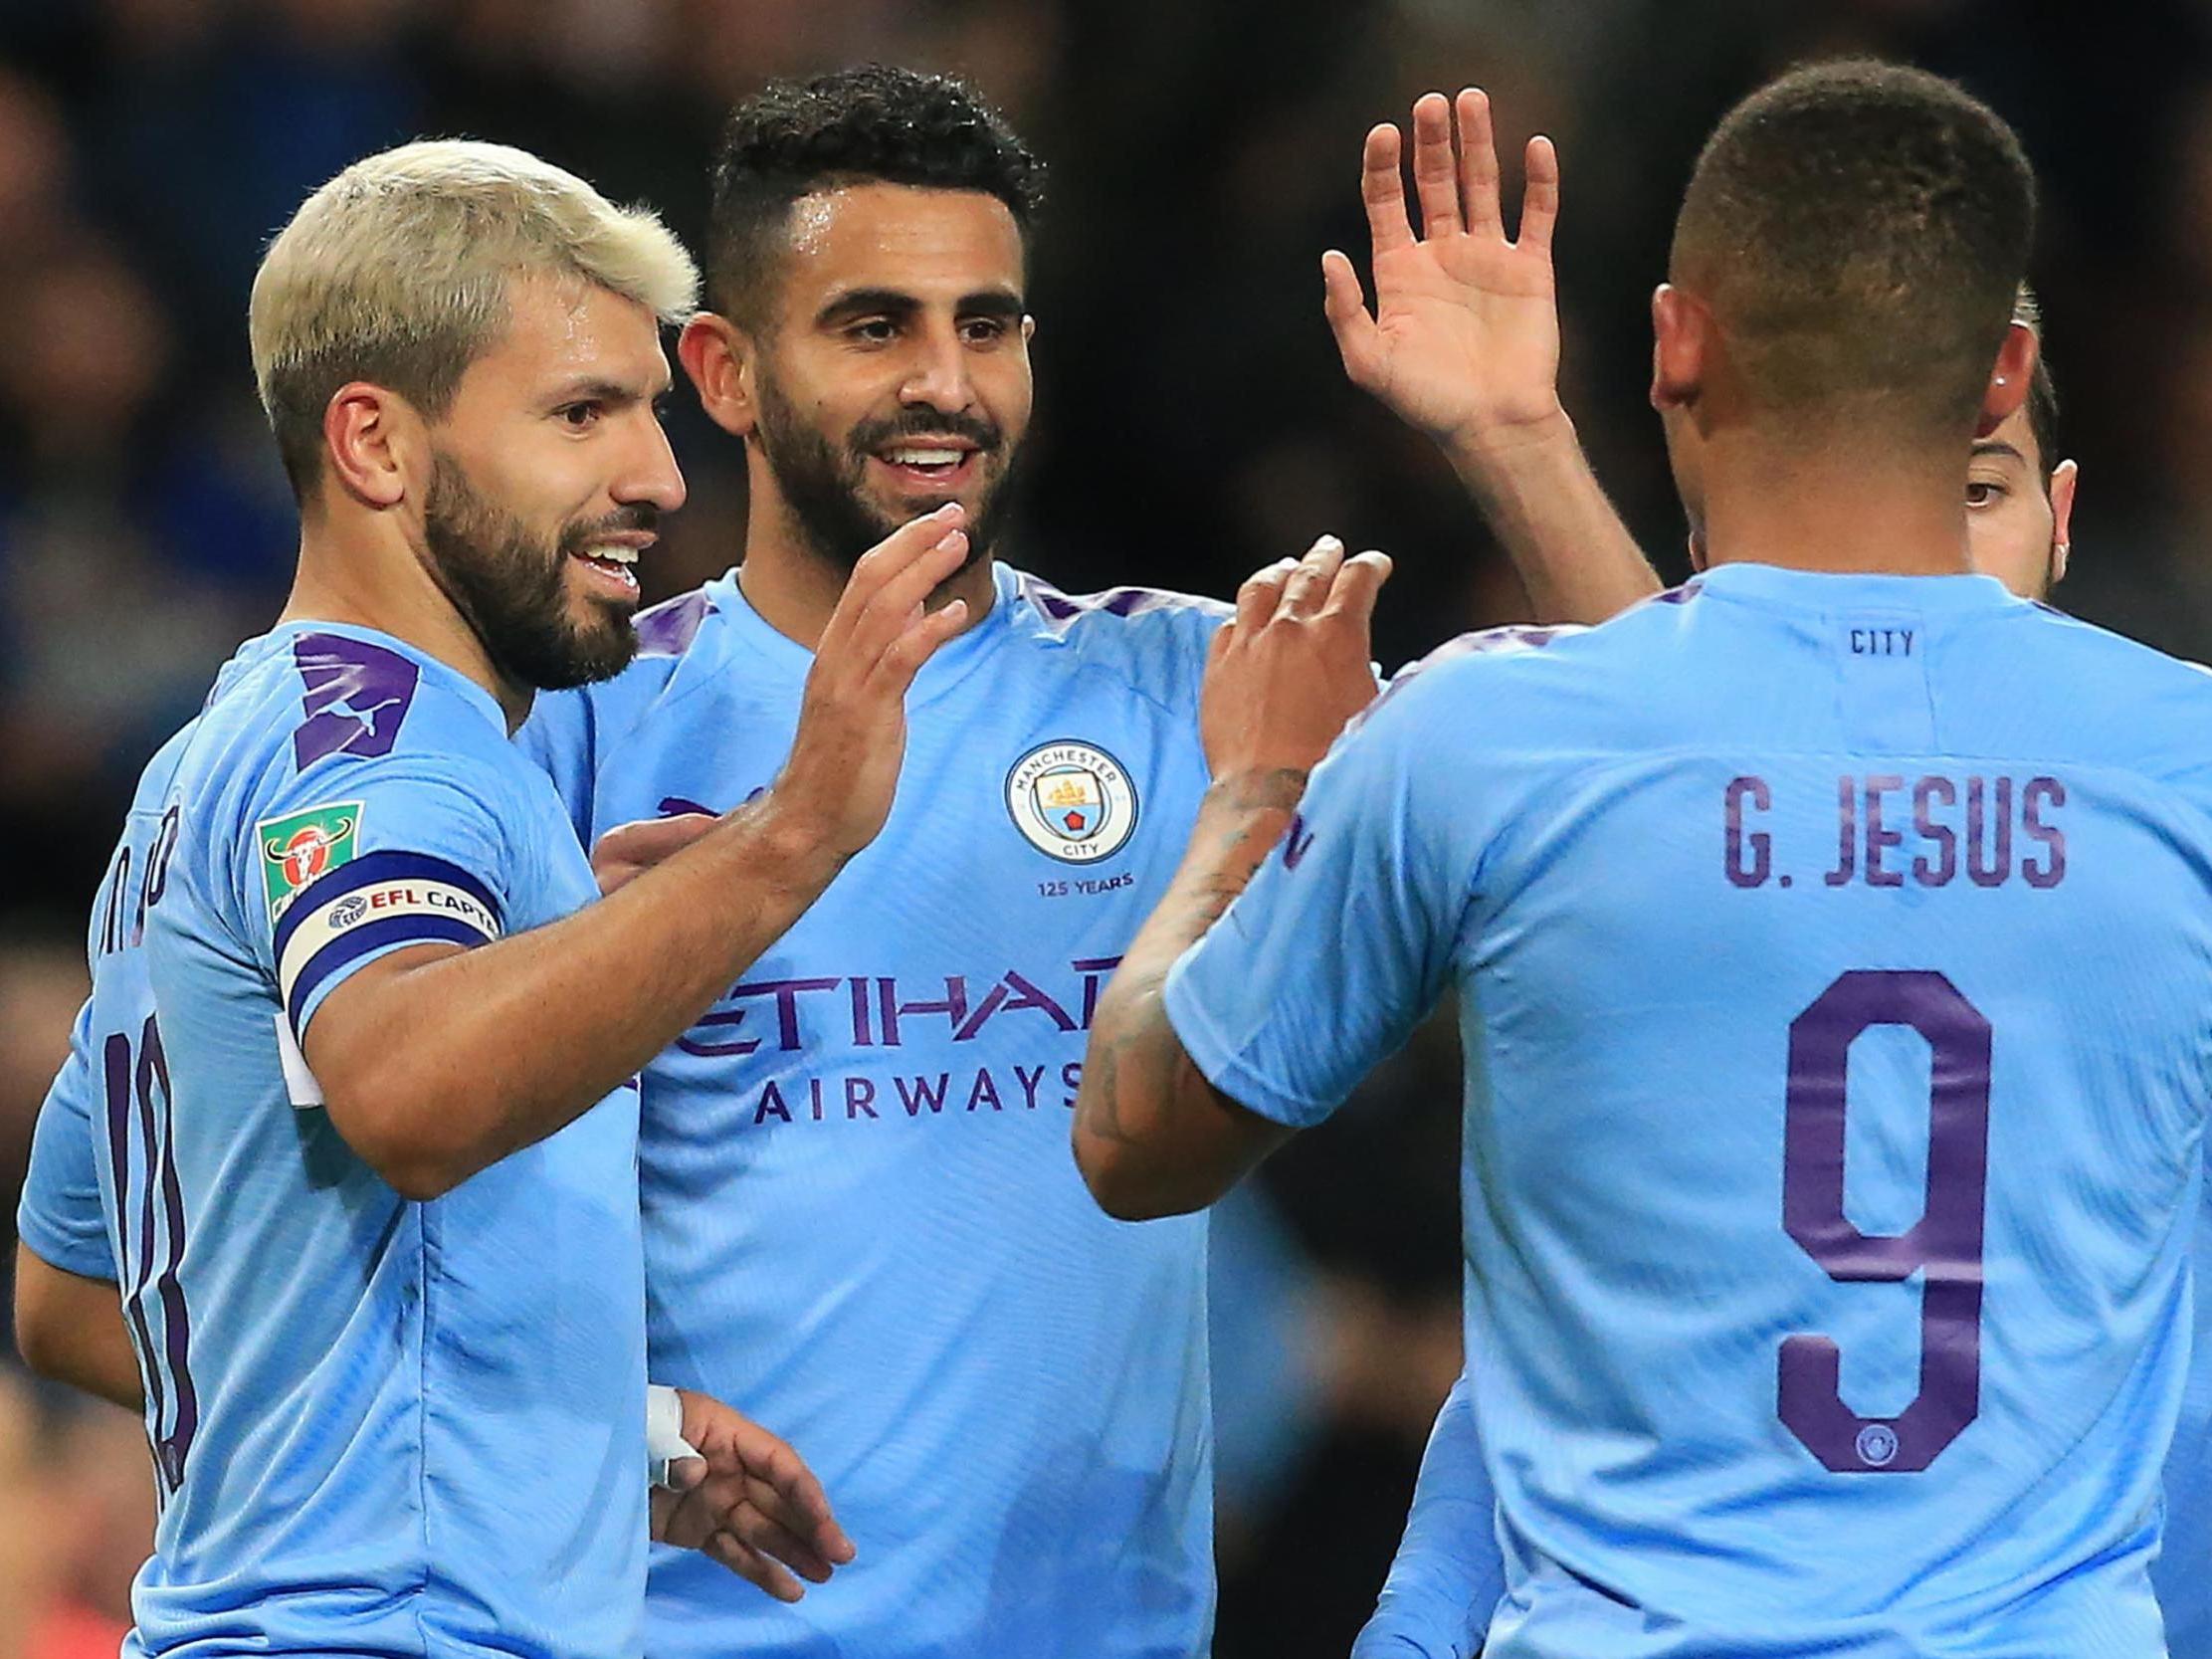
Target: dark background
x=1192, y=424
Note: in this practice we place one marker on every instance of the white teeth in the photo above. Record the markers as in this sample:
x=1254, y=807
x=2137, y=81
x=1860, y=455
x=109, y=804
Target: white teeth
x=618, y=555
x=925, y=457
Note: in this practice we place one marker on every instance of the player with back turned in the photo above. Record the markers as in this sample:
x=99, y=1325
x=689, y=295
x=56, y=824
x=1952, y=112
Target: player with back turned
x=1465, y=346
x=1830, y=941
x=340, y=1182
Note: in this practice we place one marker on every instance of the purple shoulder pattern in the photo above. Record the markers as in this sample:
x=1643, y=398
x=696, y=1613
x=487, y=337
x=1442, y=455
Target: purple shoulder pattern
x=668, y=629
x=1059, y=610
x=354, y=694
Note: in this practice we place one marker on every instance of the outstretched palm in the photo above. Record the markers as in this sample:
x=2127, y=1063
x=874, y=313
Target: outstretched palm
x=1464, y=342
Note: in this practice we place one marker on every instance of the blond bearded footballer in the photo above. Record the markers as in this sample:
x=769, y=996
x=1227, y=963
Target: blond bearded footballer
x=1465, y=346
x=340, y=1184
x=1843, y=846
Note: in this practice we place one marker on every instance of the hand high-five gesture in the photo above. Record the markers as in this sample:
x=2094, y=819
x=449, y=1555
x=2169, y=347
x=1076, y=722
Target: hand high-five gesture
x=1464, y=341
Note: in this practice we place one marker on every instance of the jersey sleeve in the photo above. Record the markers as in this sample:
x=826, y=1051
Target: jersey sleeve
x=356, y=859
x=1343, y=940
x=59, y=1217
x=1448, y=1575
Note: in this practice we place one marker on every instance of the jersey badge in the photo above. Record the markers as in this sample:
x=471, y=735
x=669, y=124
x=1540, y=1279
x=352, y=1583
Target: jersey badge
x=300, y=846
x=1072, y=801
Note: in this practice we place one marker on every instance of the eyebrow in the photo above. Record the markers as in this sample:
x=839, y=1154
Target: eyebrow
x=1000, y=303
x=1997, y=446
x=596, y=389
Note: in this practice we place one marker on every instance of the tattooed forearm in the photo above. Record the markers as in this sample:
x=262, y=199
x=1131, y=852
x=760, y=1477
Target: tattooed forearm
x=1144, y=1110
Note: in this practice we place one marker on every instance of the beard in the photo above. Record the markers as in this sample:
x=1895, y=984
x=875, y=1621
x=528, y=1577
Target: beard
x=826, y=486
x=510, y=585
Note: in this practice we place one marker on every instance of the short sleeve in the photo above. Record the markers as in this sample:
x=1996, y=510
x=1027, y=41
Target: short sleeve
x=1343, y=940
x=60, y=1216
x=361, y=858
x=559, y=739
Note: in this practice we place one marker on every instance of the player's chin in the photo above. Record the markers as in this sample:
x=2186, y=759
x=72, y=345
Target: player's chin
x=900, y=501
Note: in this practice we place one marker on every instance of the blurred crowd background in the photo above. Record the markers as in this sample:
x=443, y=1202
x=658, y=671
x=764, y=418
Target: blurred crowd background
x=1192, y=424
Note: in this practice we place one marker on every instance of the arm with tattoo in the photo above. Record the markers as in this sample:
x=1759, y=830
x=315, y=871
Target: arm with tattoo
x=1152, y=1136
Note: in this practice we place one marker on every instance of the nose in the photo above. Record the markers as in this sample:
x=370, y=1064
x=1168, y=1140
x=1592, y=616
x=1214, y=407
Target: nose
x=651, y=477
x=938, y=374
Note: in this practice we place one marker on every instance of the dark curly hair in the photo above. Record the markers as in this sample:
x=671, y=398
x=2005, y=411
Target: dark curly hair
x=1860, y=230
x=871, y=123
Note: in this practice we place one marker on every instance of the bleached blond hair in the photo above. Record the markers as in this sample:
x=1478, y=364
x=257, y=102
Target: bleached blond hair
x=396, y=273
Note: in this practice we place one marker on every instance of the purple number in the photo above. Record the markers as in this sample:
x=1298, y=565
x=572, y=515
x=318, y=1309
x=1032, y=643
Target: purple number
x=1945, y=1245
x=172, y=1402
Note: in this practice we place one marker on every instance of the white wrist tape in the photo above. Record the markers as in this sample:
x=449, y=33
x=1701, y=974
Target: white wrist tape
x=664, y=1432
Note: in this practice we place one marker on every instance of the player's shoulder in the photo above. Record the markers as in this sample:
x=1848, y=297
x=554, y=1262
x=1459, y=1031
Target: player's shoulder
x=1457, y=693
x=1491, y=657
x=295, y=708
x=2130, y=697
x=1140, y=631
x=678, y=640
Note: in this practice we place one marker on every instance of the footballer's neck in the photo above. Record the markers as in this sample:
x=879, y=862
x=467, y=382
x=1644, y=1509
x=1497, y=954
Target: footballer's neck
x=363, y=573
x=1833, y=508
x=794, y=586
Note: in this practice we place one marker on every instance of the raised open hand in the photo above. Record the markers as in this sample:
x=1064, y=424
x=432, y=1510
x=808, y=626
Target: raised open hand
x=1464, y=342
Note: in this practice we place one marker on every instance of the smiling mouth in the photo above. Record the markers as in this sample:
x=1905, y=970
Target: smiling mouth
x=928, y=466
x=611, y=565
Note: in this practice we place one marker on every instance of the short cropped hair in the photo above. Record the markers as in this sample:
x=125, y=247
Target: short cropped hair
x=2043, y=390
x=396, y=272
x=1859, y=231
x=871, y=123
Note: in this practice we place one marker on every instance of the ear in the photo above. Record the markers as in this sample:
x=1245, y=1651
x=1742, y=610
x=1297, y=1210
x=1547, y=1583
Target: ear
x=2008, y=381
x=1029, y=327
x=373, y=443
x=2065, y=477
x=1682, y=339
x=717, y=356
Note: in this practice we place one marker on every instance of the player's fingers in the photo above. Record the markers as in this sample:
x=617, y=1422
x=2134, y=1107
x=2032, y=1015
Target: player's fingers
x=883, y=566
x=1435, y=175
x=896, y=605
x=627, y=850
x=1359, y=579
x=661, y=1508
x=1478, y=165
x=753, y=1566
x=1218, y=647
x=1346, y=306
x=771, y=1538
x=1384, y=190
x=683, y=1473
x=1540, y=206
x=785, y=1488
x=1306, y=591
x=1261, y=593
x=903, y=658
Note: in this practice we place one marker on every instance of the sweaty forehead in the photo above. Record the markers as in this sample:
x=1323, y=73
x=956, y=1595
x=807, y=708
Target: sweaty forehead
x=931, y=244
x=561, y=329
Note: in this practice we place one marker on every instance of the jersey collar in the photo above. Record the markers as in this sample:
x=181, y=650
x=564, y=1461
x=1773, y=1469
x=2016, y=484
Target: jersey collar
x=952, y=663
x=1825, y=590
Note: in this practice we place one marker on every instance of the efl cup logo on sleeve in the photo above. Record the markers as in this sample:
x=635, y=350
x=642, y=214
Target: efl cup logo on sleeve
x=297, y=849
x=1073, y=801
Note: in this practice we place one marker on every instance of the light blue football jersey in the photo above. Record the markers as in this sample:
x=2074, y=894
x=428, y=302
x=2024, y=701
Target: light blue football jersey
x=864, y=1223
x=379, y=1427
x=1833, y=955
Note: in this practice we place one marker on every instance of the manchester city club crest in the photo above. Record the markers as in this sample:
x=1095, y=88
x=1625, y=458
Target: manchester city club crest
x=1072, y=800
